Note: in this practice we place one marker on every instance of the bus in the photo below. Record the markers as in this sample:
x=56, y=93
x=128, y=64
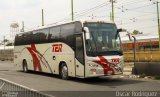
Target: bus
x=80, y=49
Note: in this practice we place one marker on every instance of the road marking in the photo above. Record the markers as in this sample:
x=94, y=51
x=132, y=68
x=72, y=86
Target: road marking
x=24, y=87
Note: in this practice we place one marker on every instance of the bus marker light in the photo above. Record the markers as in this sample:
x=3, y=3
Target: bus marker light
x=54, y=57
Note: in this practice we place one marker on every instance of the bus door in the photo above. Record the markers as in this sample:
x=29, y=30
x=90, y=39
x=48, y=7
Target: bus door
x=79, y=55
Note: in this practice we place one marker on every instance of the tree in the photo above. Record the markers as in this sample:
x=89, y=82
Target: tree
x=5, y=41
x=135, y=32
x=9, y=44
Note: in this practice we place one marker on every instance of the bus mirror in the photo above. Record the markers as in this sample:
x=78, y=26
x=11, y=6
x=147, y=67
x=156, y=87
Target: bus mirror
x=129, y=35
x=121, y=30
x=87, y=34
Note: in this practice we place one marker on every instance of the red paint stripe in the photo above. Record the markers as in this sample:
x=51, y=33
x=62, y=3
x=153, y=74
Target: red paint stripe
x=41, y=59
x=36, y=63
x=105, y=64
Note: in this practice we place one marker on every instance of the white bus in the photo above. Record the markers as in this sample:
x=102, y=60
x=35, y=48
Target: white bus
x=77, y=49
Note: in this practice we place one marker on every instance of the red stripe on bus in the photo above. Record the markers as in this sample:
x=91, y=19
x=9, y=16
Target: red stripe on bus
x=105, y=64
x=36, y=63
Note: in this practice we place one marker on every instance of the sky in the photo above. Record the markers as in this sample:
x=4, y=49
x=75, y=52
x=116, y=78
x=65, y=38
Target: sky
x=129, y=14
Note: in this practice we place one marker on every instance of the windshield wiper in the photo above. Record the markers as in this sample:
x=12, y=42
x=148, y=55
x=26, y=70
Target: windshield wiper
x=110, y=53
x=118, y=52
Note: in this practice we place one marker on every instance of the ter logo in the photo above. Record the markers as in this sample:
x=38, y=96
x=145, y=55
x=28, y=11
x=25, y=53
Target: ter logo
x=57, y=48
x=116, y=60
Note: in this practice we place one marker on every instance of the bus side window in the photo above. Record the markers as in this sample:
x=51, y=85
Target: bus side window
x=40, y=36
x=18, y=40
x=67, y=34
x=79, y=49
x=29, y=38
x=53, y=35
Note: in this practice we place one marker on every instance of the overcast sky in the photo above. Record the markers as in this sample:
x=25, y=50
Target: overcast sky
x=135, y=14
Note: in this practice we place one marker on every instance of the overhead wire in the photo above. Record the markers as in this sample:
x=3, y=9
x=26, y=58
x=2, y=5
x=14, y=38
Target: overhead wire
x=87, y=11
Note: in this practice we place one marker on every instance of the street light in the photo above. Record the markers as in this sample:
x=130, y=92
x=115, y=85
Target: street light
x=158, y=18
x=72, y=10
x=134, y=50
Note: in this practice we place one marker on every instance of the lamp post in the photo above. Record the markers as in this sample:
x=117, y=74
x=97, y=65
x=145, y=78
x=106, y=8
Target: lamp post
x=4, y=43
x=72, y=10
x=134, y=51
x=42, y=18
x=112, y=2
x=158, y=22
x=158, y=18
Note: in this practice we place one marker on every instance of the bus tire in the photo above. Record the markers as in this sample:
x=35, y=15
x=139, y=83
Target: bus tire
x=25, y=67
x=64, y=71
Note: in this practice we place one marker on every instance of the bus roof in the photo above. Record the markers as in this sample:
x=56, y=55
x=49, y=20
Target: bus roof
x=56, y=24
x=100, y=21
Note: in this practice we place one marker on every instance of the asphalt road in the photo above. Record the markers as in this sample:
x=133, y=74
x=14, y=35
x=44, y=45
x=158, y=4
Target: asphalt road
x=52, y=84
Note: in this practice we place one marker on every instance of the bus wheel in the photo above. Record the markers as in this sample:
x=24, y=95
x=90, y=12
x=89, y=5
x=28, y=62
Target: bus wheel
x=25, y=67
x=64, y=71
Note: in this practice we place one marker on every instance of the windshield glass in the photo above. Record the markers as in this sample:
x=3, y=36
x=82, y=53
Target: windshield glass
x=103, y=39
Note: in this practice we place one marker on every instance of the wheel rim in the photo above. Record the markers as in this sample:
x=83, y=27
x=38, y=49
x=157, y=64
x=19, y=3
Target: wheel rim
x=64, y=72
x=25, y=68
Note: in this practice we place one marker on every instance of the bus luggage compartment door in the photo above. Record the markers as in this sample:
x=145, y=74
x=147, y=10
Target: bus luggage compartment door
x=79, y=56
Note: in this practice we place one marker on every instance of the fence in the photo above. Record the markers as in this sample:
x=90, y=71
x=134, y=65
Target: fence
x=10, y=89
x=143, y=56
x=6, y=54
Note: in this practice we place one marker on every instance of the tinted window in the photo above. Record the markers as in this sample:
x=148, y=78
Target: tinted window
x=67, y=34
x=27, y=38
x=62, y=33
x=54, y=34
x=40, y=36
x=23, y=39
x=18, y=39
x=78, y=27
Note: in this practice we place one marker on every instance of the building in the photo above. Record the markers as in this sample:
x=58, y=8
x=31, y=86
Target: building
x=143, y=41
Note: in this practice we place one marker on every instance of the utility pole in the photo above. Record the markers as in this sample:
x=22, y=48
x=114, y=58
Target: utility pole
x=22, y=30
x=110, y=16
x=112, y=1
x=72, y=10
x=42, y=18
x=158, y=19
x=158, y=22
x=4, y=43
x=134, y=50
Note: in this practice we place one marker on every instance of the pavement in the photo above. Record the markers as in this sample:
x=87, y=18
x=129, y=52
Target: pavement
x=127, y=70
x=97, y=87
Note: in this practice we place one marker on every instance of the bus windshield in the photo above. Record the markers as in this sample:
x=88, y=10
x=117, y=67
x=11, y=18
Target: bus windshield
x=103, y=39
